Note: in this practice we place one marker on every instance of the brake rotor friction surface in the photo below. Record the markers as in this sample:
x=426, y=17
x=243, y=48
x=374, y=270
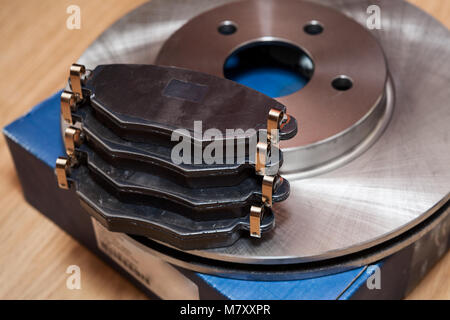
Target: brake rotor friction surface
x=385, y=191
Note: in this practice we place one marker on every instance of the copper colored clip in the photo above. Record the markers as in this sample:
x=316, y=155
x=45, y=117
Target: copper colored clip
x=76, y=73
x=267, y=190
x=273, y=126
x=256, y=214
x=62, y=166
x=67, y=105
x=72, y=139
x=261, y=158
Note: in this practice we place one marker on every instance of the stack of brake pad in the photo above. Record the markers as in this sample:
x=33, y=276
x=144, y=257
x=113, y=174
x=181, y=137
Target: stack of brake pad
x=139, y=164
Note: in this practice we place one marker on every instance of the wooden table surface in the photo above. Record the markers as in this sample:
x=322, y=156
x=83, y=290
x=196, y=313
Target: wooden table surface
x=36, y=50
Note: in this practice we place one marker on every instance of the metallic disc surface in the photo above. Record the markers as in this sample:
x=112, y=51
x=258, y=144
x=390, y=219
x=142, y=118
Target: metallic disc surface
x=394, y=183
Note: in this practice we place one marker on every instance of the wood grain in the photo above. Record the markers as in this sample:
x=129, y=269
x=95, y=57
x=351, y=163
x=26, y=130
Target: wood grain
x=36, y=48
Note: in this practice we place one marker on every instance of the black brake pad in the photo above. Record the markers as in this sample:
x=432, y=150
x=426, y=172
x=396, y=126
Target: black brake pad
x=156, y=158
x=148, y=102
x=131, y=185
x=121, y=165
x=155, y=223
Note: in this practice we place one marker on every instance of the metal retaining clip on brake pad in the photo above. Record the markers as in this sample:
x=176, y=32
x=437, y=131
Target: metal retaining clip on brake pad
x=119, y=125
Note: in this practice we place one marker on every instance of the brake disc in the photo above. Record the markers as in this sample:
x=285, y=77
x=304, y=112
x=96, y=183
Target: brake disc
x=371, y=159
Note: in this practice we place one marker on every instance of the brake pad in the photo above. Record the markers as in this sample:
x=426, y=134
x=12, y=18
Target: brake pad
x=148, y=102
x=201, y=203
x=156, y=158
x=162, y=225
